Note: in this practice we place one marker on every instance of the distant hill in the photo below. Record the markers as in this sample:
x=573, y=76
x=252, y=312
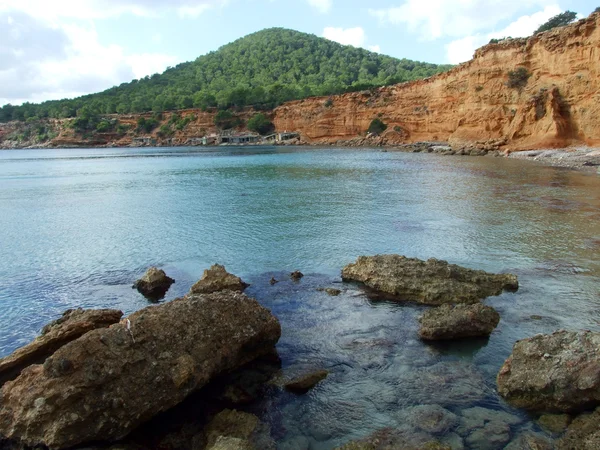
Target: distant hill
x=263, y=69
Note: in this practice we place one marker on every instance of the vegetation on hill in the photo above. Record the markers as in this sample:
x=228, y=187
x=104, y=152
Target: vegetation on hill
x=560, y=20
x=263, y=69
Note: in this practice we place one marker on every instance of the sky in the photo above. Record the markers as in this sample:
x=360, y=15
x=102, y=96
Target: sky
x=52, y=49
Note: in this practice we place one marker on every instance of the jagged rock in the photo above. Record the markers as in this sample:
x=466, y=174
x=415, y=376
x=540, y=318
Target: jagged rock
x=304, y=383
x=154, y=284
x=218, y=279
x=73, y=324
x=459, y=321
x=553, y=373
x=296, y=275
x=391, y=439
x=429, y=418
x=430, y=282
x=554, y=423
x=582, y=434
x=109, y=381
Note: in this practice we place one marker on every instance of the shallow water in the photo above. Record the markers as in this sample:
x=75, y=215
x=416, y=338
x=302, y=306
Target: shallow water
x=77, y=227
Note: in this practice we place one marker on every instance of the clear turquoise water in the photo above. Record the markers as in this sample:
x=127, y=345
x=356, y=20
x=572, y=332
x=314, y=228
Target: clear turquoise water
x=77, y=227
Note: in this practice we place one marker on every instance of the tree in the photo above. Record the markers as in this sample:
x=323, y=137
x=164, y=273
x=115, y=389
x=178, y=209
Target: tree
x=226, y=120
x=560, y=20
x=377, y=126
x=518, y=78
x=597, y=10
x=260, y=124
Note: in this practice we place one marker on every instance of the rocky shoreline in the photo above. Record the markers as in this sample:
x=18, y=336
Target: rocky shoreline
x=95, y=379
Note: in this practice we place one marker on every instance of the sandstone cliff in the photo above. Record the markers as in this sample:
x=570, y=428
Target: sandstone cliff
x=471, y=105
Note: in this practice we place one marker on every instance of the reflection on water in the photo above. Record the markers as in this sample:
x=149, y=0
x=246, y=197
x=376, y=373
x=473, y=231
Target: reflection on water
x=79, y=226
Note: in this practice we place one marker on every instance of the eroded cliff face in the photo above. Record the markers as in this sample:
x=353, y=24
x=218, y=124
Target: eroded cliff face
x=469, y=106
x=472, y=104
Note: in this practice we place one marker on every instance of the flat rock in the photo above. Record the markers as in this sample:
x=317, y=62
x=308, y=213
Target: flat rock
x=430, y=282
x=582, y=434
x=109, y=381
x=554, y=423
x=73, y=324
x=458, y=321
x=218, y=279
x=395, y=439
x=154, y=284
x=559, y=372
x=306, y=382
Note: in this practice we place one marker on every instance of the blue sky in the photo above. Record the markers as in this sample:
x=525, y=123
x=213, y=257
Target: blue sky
x=64, y=48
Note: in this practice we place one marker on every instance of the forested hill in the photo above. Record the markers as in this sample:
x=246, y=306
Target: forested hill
x=263, y=69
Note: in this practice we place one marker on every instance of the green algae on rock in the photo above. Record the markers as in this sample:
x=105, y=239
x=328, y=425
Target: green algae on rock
x=431, y=282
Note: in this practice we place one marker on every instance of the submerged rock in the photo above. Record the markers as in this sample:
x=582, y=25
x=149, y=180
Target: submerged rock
x=296, y=275
x=304, y=383
x=429, y=418
x=430, y=282
x=103, y=385
x=554, y=423
x=230, y=430
x=582, y=434
x=459, y=321
x=154, y=284
x=486, y=429
x=73, y=324
x=394, y=439
x=218, y=279
x=553, y=373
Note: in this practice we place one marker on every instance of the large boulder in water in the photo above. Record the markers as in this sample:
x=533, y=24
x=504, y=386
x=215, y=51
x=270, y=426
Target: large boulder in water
x=73, y=324
x=458, y=321
x=553, y=373
x=106, y=383
x=154, y=284
x=430, y=282
x=218, y=279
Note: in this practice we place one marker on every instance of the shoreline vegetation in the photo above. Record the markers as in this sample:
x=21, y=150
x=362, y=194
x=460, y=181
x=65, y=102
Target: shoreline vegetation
x=94, y=377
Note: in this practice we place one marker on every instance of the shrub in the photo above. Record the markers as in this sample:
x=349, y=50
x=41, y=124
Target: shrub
x=560, y=20
x=328, y=103
x=377, y=126
x=260, y=124
x=146, y=125
x=478, y=88
x=226, y=120
x=517, y=79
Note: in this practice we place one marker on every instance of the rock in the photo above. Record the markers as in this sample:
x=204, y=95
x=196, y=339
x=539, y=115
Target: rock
x=553, y=373
x=218, y=279
x=330, y=291
x=273, y=281
x=305, y=383
x=486, y=429
x=430, y=282
x=460, y=321
x=431, y=419
x=554, y=423
x=296, y=276
x=73, y=324
x=582, y=434
x=109, y=381
x=530, y=441
x=154, y=284
x=229, y=443
x=391, y=439
x=239, y=429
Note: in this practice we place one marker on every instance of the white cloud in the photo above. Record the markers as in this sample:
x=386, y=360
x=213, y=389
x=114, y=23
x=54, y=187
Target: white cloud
x=323, y=6
x=461, y=50
x=434, y=19
x=42, y=61
x=374, y=48
x=346, y=36
x=102, y=9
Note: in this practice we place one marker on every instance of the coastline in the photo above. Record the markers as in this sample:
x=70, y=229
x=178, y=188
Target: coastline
x=582, y=158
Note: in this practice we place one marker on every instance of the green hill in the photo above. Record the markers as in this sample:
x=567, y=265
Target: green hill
x=263, y=69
